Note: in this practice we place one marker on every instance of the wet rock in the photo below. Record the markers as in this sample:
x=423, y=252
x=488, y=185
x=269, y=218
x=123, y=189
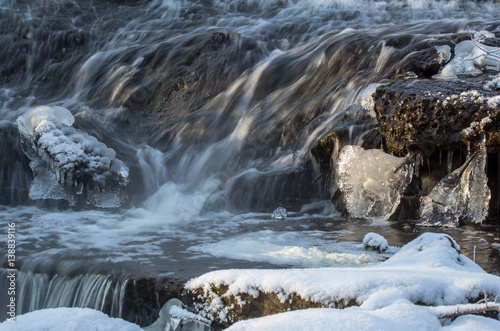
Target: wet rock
x=442, y=122
x=145, y=296
x=428, y=115
x=425, y=59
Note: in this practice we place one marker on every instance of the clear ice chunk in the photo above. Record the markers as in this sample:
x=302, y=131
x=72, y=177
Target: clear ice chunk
x=463, y=195
x=372, y=181
x=174, y=317
x=279, y=213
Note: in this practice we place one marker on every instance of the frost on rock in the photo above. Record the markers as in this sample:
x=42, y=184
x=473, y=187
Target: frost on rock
x=376, y=242
x=372, y=181
x=463, y=195
x=279, y=213
x=69, y=164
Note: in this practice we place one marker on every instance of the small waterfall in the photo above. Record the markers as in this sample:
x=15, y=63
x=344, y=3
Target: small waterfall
x=152, y=165
x=15, y=174
x=39, y=291
x=112, y=295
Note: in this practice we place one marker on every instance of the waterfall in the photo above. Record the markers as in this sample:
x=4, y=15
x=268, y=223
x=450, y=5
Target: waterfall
x=115, y=296
x=131, y=130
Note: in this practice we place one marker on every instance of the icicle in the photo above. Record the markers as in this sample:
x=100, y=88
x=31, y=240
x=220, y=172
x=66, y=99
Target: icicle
x=468, y=150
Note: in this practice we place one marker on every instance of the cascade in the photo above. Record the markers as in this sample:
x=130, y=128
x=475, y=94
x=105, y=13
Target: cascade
x=157, y=125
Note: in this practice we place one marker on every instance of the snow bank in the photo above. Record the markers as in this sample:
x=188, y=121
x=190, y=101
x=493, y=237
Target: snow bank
x=64, y=319
x=69, y=163
x=401, y=315
x=430, y=270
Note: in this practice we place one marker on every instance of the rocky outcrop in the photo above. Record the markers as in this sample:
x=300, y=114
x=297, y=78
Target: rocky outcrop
x=437, y=123
x=425, y=116
x=441, y=123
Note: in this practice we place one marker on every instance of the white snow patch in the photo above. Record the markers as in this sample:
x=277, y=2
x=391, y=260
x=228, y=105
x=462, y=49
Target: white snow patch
x=63, y=319
x=375, y=241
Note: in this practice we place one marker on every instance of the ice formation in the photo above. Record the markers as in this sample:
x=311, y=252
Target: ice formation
x=279, y=213
x=372, y=181
x=68, y=163
x=470, y=57
x=463, y=195
x=174, y=317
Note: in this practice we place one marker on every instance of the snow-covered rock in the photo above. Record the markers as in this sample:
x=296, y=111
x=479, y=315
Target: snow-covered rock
x=430, y=270
x=374, y=241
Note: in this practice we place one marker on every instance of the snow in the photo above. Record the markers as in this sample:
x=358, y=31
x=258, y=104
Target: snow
x=401, y=315
x=64, y=319
x=284, y=248
x=375, y=241
x=429, y=270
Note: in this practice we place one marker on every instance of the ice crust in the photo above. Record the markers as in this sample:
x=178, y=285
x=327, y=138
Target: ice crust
x=372, y=181
x=69, y=163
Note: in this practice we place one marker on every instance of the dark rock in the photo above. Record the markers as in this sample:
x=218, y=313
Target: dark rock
x=429, y=115
x=422, y=58
x=145, y=296
x=442, y=122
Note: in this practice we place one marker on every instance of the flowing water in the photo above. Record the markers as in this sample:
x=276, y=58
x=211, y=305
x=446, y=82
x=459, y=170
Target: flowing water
x=155, y=138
